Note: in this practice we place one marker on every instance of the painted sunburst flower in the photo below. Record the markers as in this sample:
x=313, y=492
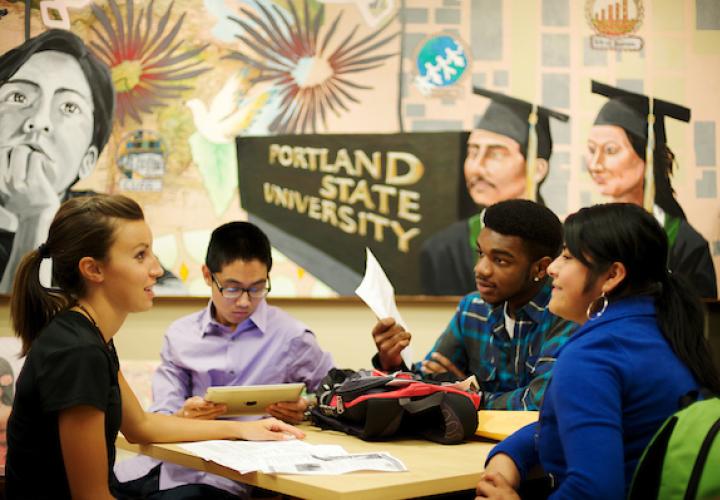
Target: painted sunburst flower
x=309, y=71
x=148, y=66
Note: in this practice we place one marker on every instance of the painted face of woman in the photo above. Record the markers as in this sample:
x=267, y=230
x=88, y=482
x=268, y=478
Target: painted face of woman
x=614, y=165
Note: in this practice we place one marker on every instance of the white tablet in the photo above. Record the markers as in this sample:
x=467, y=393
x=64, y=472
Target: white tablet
x=252, y=399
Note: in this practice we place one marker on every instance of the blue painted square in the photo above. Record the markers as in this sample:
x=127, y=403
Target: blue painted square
x=415, y=110
x=592, y=57
x=560, y=131
x=486, y=30
x=448, y=101
x=479, y=79
x=705, y=154
x=706, y=186
x=412, y=43
x=554, y=189
x=415, y=16
x=708, y=14
x=447, y=16
x=556, y=50
x=555, y=12
x=500, y=78
x=556, y=90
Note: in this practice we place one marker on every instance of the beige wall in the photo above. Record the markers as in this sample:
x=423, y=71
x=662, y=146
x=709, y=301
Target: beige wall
x=341, y=325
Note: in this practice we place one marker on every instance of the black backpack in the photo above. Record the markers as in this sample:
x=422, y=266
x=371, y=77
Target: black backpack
x=375, y=406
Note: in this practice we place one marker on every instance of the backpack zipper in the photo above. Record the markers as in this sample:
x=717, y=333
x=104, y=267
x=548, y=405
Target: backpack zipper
x=697, y=471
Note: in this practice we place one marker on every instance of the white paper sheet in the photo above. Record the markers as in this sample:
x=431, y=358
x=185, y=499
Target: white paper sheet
x=291, y=457
x=378, y=293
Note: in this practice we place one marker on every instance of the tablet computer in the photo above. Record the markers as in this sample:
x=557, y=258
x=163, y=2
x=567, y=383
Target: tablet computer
x=252, y=399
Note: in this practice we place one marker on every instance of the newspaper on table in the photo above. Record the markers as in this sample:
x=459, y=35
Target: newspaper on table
x=291, y=457
x=378, y=293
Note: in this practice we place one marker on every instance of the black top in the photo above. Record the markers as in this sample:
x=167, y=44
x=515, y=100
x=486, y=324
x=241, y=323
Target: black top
x=68, y=365
x=690, y=256
x=447, y=261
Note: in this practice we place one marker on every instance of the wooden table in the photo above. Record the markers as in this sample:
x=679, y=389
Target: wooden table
x=432, y=468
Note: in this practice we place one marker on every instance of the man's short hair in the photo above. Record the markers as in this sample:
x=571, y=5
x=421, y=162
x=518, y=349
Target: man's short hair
x=237, y=241
x=97, y=74
x=536, y=225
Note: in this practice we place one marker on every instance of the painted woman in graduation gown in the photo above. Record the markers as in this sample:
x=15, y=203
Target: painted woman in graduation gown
x=625, y=169
x=507, y=158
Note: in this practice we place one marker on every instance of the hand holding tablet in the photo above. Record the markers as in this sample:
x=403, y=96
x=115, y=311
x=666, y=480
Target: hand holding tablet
x=253, y=399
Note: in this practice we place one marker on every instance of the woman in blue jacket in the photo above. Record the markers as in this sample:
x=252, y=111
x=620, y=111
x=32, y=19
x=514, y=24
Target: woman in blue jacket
x=640, y=348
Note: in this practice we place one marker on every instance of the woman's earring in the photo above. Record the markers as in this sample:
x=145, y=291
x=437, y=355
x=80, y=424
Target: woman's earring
x=597, y=307
x=536, y=279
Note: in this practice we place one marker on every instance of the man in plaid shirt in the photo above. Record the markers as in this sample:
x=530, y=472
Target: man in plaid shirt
x=504, y=333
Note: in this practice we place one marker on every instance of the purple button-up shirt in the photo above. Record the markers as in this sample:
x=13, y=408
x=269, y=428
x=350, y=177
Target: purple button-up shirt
x=270, y=347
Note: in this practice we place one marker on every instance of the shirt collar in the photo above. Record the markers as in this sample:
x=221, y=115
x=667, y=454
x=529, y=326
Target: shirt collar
x=534, y=310
x=258, y=319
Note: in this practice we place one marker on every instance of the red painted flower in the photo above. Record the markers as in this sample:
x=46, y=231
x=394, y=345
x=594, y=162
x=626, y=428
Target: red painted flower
x=147, y=63
x=311, y=73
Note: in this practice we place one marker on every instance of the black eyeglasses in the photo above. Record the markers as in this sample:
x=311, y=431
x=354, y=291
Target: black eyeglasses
x=235, y=292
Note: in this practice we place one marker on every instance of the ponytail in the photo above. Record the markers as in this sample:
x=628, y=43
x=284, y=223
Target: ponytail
x=32, y=306
x=681, y=316
x=82, y=227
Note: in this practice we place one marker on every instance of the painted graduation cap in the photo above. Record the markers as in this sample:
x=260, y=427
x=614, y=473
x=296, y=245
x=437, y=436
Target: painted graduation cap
x=643, y=116
x=526, y=123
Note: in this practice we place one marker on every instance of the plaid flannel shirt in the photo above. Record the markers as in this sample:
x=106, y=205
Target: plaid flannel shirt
x=512, y=372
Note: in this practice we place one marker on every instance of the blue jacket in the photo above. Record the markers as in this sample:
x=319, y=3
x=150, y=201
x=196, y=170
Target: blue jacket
x=616, y=380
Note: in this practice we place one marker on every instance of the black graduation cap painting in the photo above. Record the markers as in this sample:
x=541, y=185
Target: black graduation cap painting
x=526, y=123
x=642, y=116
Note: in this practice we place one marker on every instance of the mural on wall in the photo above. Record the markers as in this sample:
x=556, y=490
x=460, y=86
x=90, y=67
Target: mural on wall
x=54, y=126
x=324, y=198
x=190, y=77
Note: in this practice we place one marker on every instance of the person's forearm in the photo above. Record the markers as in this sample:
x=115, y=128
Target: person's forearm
x=505, y=465
x=158, y=428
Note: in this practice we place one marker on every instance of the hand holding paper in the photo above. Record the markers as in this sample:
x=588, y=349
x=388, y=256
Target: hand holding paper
x=378, y=293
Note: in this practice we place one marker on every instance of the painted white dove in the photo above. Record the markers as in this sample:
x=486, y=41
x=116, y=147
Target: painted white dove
x=230, y=112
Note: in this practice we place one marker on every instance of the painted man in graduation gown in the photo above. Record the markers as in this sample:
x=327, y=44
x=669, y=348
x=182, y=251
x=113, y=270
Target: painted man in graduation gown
x=627, y=168
x=507, y=158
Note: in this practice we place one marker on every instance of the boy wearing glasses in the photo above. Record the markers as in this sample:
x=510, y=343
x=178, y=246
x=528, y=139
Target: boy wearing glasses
x=238, y=339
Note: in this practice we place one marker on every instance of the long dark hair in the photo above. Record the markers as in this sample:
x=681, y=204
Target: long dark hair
x=663, y=164
x=622, y=232
x=82, y=227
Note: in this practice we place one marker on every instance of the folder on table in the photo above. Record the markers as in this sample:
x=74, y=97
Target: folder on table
x=499, y=424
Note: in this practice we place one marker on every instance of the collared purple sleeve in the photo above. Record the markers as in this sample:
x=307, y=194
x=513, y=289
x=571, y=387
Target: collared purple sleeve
x=307, y=362
x=171, y=384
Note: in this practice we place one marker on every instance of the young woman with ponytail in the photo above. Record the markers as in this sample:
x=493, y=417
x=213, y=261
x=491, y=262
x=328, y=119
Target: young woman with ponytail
x=640, y=348
x=71, y=397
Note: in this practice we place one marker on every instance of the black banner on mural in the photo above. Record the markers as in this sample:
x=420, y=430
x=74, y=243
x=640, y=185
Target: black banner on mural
x=324, y=198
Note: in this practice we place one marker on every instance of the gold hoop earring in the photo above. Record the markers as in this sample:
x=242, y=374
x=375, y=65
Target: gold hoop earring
x=595, y=310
